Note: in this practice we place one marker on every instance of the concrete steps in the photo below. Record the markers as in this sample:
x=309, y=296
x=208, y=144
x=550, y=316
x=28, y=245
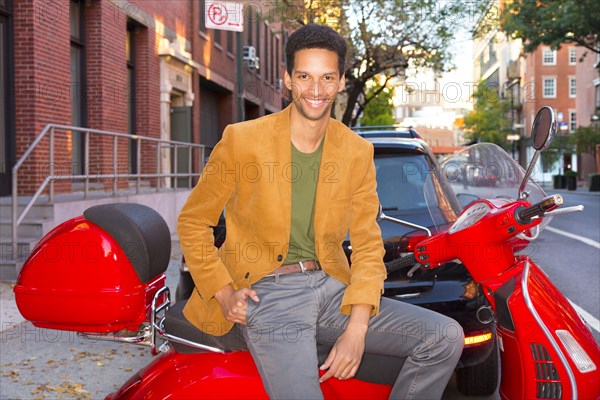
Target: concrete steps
x=38, y=221
x=44, y=216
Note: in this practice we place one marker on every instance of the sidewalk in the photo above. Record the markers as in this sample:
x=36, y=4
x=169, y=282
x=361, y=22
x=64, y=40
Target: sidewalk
x=9, y=314
x=583, y=191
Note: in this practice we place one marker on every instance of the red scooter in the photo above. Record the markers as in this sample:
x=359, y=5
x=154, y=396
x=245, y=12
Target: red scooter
x=102, y=274
x=547, y=350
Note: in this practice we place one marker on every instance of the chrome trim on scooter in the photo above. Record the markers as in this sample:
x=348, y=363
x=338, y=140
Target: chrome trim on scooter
x=165, y=292
x=536, y=316
x=560, y=211
x=384, y=217
x=140, y=338
x=189, y=343
x=157, y=324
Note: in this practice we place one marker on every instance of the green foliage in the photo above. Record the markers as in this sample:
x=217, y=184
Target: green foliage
x=551, y=155
x=380, y=110
x=586, y=138
x=488, y=122
x=553, y=22
x=385, y=37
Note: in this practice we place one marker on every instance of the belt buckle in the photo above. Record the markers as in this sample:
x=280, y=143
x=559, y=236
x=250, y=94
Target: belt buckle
x=302, y=267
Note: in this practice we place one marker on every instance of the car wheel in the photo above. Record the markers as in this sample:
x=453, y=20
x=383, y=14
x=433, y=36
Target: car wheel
x=480, y=379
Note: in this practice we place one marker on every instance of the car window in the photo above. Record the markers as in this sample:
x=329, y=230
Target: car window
x=400, y=180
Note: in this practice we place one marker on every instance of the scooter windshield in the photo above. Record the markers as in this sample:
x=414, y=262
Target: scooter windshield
x=481, y=171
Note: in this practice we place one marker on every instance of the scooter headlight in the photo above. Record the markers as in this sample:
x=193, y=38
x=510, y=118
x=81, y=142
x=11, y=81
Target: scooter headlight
x=582, y=361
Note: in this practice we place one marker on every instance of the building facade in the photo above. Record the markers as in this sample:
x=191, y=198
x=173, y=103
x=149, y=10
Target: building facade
x=148, y=68
x=587, y=106
x=550, y=80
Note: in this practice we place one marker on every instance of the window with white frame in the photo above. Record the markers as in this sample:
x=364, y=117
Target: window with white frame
x=548, y=57
x=572, y=121
x=549, y=88
x=597, y=96
x=572, y=56
x=572, y=86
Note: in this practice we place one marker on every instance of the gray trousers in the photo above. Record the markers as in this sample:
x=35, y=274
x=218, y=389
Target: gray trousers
x=298, y=312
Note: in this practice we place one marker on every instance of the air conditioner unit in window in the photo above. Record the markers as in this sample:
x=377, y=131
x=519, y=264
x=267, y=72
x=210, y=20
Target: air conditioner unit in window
x=249, y=53
x=254, y=63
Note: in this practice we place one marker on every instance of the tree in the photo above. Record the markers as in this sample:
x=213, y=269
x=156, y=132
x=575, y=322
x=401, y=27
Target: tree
x=385, y=38
x=553, y=22
x=380, y=111
x=488, y=122
x=586, y=140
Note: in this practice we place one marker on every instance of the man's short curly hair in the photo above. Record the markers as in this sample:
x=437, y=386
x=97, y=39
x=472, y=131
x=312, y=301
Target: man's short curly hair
x=313, y=36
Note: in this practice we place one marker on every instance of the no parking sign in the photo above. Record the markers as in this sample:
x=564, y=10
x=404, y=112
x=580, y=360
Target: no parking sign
x=225, y=15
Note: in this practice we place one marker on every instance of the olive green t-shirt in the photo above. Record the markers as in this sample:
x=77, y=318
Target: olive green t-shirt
x=304, y=174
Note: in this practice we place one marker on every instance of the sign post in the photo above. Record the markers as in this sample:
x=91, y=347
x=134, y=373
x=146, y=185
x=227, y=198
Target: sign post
x=229, y=16
x=224, y=15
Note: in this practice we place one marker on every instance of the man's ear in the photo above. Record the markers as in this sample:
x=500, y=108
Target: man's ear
x=287, y=80
x=342, y=85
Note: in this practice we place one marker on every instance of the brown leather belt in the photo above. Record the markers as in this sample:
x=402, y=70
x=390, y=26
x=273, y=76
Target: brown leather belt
x=302, y=266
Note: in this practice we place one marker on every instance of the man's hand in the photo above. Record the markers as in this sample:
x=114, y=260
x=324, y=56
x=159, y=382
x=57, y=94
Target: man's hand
x=345, y=356
x=234, y=303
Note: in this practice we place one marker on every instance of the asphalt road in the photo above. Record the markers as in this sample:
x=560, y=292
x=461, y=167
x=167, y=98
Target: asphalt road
x=45, y=364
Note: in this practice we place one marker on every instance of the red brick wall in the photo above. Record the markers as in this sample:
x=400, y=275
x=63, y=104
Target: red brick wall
x=107, y=89
x=42, y=85
x=147, y=94
x=43, y=79
x=217, y=59
x=533, y=87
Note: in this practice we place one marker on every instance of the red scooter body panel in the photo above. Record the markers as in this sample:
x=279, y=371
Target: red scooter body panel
x=217, y=376
x=527, y=353
x=532, y=366
x=77, y=278
x=487, y=246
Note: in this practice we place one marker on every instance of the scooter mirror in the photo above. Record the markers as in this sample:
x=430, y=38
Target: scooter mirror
x=542, y=133
x=543, y=128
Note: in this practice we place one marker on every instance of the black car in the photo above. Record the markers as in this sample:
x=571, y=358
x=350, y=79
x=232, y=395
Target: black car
x=403, y=162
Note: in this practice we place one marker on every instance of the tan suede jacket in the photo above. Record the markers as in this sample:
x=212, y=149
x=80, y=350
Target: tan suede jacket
x=249, y=174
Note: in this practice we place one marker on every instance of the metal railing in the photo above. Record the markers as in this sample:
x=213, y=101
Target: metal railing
x=52, y=130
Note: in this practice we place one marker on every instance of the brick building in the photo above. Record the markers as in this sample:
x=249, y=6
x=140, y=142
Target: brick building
x=148, y=68
x=550, y=80
x=588, y=104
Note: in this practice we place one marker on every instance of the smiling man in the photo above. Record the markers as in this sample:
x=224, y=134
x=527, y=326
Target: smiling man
x=294, y=185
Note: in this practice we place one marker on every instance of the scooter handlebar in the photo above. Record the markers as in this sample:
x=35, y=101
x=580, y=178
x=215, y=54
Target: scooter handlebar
x=400, y=263
x=524, y=214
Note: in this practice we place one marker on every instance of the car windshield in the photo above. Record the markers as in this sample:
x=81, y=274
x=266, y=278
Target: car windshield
x=400, y=180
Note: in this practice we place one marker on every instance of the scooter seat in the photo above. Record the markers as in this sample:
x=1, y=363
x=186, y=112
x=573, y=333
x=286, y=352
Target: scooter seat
x=177, y=325
x=141, y=232
x=376, y=368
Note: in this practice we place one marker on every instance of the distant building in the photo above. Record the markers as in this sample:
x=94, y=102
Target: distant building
x=587, y=106
x=497, y=64
x=550, y=80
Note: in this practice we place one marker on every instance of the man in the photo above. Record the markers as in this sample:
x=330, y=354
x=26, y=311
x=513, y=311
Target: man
x=293, y=185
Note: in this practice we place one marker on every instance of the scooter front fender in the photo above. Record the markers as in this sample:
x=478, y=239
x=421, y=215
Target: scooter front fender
x=535, y=362
x=224, y=376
